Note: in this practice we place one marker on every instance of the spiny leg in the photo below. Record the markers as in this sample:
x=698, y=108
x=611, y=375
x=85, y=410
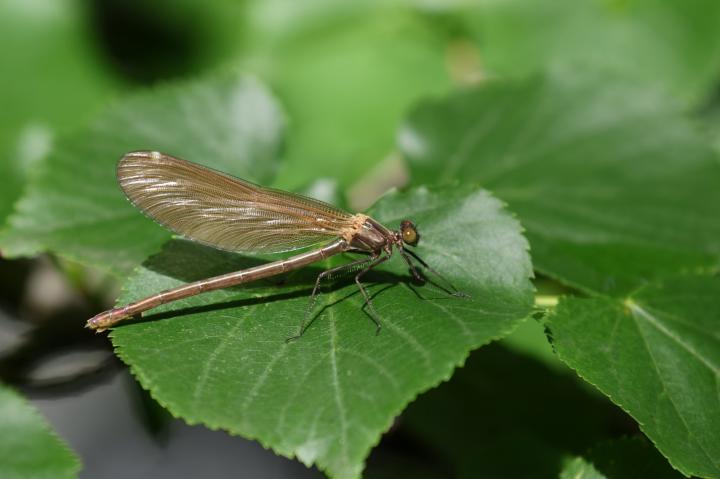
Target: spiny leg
x=373, y=315
x=313, y=297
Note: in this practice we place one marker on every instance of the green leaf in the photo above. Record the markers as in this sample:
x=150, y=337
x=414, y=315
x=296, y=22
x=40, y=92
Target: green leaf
x=579, y=468
x=657, y=355
x=346, y=74
x=28, y=448
x=221, y=359
x=11, y=190
x=74, y=206
x=614, y=186
x=710, y=122
x=54, y=82
x=671, y=44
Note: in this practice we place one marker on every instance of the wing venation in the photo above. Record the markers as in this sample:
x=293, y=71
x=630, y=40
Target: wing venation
x=222, y=211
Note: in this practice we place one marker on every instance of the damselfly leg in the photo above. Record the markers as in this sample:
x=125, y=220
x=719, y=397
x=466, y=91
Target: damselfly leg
x=368, y=302
x=327, y=274
x=371, y=263
x=451, y=290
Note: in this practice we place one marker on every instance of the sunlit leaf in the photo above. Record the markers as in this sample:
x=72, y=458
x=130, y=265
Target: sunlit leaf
x=221, y=359
x=579, y=468
x=614, y=186
x=669, y=44
x=657, y=355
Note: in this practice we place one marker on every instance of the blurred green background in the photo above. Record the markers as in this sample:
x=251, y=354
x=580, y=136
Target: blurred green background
x=346, y=75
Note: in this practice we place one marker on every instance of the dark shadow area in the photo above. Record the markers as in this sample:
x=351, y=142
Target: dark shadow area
x=631, y=458
x=58, y=335
x=401, y=454
x=146, y=42
x=154, y=418
x=13, y=276
x=51, y=335
x=188, y=261
x=507, y=415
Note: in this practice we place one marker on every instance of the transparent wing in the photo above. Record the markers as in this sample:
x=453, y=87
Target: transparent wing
x=224, y=212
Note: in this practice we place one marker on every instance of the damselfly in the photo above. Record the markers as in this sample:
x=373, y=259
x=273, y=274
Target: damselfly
x=228, y=213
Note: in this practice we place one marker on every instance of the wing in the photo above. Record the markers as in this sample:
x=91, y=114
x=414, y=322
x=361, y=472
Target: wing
x=224, y=212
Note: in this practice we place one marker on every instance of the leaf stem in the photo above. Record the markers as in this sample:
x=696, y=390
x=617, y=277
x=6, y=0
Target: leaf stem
x=546, y=301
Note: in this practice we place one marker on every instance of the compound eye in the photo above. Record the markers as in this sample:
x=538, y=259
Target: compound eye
x=409, y=233
x=409, y=236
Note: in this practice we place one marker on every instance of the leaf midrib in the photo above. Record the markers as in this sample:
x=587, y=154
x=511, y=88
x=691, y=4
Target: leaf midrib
x=642, y=313
x=670, y=396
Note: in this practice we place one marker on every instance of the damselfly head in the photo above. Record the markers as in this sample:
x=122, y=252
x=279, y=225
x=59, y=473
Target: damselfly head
x=409, y=232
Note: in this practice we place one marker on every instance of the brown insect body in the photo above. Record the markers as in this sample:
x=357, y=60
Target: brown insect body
x=228, y=213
